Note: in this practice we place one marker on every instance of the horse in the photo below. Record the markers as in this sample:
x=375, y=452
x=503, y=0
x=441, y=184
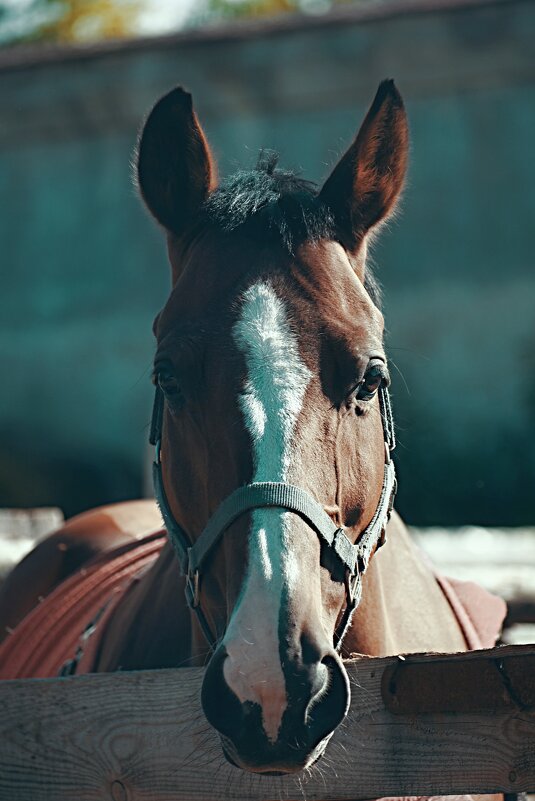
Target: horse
x=281, y=554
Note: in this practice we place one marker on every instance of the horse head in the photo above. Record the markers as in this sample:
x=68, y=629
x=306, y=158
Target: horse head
x=270, y=370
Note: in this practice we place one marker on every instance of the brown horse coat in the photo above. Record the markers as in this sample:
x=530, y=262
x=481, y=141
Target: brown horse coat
x=118, y=582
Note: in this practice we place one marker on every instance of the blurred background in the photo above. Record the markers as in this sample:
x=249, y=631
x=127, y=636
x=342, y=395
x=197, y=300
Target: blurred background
x=84, y=270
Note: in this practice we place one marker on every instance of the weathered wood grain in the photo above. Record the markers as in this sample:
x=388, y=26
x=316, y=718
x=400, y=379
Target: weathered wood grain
x=142, y=737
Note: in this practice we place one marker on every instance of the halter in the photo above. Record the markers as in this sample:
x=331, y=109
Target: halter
x=351, y=560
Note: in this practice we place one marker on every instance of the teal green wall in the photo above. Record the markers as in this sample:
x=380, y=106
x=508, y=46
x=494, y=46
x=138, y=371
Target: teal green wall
x=84, y=271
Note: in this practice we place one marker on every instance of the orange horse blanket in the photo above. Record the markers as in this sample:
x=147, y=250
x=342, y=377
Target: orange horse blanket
x=51, y=634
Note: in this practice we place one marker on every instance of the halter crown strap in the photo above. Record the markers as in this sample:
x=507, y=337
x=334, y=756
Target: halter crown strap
x=353, y=558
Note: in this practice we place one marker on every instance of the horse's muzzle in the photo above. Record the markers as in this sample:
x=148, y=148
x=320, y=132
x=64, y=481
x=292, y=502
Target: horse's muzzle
x=317, y=702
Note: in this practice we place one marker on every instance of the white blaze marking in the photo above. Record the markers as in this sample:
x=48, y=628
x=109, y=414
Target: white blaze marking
x=271, y=403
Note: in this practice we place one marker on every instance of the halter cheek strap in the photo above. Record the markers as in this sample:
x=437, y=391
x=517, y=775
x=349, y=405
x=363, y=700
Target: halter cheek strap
x=351, y=559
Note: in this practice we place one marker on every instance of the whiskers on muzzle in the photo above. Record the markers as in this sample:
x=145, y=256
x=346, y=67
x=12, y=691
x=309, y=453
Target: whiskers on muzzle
x=316, y=702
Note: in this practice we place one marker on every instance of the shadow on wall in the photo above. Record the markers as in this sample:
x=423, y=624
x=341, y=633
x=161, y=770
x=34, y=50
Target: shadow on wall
x=467, y=436
x=31, y=479
x=87, y=270
x=457, y=487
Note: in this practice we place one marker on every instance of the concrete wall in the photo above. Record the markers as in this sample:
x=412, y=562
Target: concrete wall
x=84, y=271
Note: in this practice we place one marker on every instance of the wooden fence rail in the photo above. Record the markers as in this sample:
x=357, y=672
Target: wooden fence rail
x=423, y=725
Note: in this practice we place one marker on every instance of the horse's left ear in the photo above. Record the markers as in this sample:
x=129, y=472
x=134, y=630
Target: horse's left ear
x=364, y=186
x=175, y=170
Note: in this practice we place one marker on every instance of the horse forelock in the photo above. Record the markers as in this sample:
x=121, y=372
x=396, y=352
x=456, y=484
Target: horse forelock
x=280, y=203
x=277, y=207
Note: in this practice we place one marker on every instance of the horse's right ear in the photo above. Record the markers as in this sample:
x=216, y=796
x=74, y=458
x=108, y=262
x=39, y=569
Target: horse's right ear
x=175, y=170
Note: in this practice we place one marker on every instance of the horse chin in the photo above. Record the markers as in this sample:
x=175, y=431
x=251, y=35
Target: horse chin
x=278, y=767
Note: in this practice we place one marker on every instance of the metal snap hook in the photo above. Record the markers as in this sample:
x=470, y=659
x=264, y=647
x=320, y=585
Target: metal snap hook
x=193, y=581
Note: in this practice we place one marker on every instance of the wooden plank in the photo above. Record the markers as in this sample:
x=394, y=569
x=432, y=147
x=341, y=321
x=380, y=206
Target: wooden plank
x=142, y=737
x=31, y=524
x=500, y=559
x=520, y=610
x=21, y=530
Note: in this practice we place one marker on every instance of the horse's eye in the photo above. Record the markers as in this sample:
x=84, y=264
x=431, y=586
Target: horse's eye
x=376, y=375
x=166, y=380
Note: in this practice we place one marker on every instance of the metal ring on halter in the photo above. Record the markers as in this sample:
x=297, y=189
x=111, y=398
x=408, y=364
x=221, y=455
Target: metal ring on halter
x=193, y=582
x=353, y=582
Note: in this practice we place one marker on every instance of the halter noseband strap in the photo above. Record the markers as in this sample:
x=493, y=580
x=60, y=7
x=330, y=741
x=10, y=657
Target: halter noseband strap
x=353, y=559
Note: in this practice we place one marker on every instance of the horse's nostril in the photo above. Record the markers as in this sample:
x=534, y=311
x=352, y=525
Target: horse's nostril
x=221, y=706
x=339, y=683
x=319, y=686
x=329, y=705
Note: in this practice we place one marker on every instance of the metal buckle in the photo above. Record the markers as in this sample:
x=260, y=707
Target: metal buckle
x=192, y=583
x=354, y=586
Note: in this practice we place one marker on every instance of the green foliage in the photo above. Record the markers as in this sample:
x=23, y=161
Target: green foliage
x=218, y=10
x=67, y=20
x=71, y=21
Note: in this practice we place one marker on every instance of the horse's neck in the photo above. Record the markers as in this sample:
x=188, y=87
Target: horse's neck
x=402, y=609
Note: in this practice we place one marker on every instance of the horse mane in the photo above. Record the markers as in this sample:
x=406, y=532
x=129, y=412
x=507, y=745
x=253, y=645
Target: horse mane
x=277, y=203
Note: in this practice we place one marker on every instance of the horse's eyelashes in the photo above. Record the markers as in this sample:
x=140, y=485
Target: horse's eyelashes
x=375, y=377
x=164, y=376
